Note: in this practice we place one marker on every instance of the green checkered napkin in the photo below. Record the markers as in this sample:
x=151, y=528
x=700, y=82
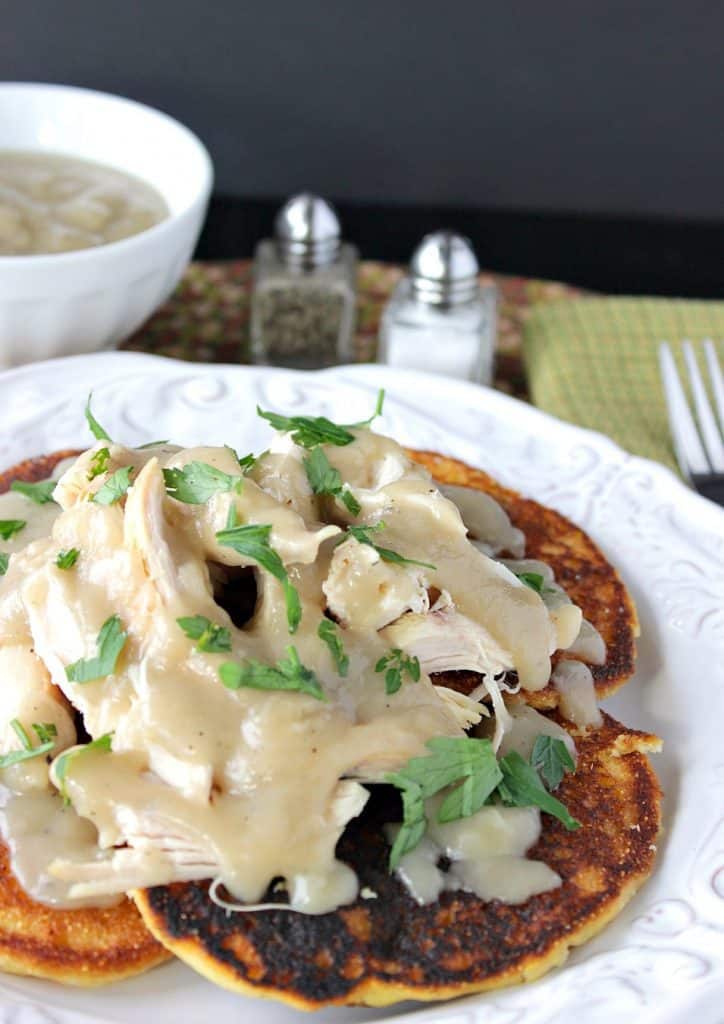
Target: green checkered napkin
x=594, y=362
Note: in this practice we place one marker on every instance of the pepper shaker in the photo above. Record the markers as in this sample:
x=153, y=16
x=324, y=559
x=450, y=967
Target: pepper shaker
x=439, y=318
x=303, y=304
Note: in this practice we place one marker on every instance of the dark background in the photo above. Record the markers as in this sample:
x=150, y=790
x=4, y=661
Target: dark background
x=580, y=140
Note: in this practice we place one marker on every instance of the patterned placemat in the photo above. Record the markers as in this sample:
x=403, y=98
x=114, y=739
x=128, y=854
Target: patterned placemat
x=207, y=317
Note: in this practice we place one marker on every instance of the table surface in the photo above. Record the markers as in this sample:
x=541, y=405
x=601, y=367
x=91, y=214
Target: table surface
x=207, y=317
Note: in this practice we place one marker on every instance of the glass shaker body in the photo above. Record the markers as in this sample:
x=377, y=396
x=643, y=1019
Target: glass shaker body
x=453, y=340
x=302, y=317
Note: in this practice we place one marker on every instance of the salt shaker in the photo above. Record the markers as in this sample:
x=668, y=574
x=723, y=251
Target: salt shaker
x=303, y=304
x=439, y=317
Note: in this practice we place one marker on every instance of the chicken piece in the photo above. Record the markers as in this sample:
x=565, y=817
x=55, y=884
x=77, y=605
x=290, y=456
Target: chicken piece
x=365, y=592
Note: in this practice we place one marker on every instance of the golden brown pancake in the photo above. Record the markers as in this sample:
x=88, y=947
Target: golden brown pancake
x=385, y=949
x=580, y=567
x=77, y=947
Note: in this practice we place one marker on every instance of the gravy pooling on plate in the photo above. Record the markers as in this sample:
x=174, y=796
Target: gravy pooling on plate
x=52, y=203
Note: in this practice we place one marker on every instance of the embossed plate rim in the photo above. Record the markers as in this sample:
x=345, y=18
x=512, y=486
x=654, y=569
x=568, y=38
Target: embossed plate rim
x=664, y=958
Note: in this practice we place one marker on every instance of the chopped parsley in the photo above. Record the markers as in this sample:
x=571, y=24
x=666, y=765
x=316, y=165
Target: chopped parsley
x=151, y=444
x=41, y=493
x=325, y=479
x=478, y=778
x=288, y=674
x=535, y=581
x=99, y=463
x=27, y=750
x=247, y=463
x=9, y=527
x=309, y=431
x=210, y=638
x=95, y=428
x=393, y=665
x=115, y=487
x=67, y=559
x=196, y=482
x=63, y=762
x=551, y=758
x=252, y=541
x=362, y=534
x=45, y=731
x=327, y=633
x=111, y=641
x=4, y=563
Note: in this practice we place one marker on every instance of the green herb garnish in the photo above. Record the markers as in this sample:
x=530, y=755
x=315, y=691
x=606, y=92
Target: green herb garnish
x=111, y=641
x=393, y=665
x=481, y=780
x=196, y=482
x=45, y=731
x=252, y=541
x=325, y=479
x=115, y=487
x=522, y=787
x=327, y=633
x=95, y=428
x=247, y=463
x=41, y=493
x=9, y=527
x=309, y=431
x=551, y=758
x=470, y=762
x=535, y=581
x=99, y=463
x=4, y=563
x=67, y=559
x=62, y=763
x=210, y=638
x=151, y=444
x=28, y=750
x=362, y=534
x=287, y=674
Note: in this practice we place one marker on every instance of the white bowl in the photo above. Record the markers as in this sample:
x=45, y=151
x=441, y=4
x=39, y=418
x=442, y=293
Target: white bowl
x=88, y=299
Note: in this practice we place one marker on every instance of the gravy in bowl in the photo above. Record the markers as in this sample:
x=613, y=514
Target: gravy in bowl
x=51, y=203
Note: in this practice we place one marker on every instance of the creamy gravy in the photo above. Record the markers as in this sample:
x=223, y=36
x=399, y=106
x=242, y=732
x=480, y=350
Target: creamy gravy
x=50, y=203
x=248, y=785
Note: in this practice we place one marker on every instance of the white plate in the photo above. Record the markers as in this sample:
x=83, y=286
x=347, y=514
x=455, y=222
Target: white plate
x=663, y=959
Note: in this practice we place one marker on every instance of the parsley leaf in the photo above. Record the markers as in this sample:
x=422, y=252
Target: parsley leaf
x=99, y=463
x=45, y=731
x=288, y=674
x=4, y=563
x=521, y=787
x=551, y=758
x=309, y=431
x=28, y=751
x=247, y=463
x=325, y=479
x=115, y=487
x=151, y=444
x=362, y=535
x=252, y=541
x=95, y=428
x=21, y=733
x=41, y=493
x=452, y=759
x=111, y=641
x=67, y=559
x=393, y=665
x=196, y=482
x=210, y=638
x=9, y=527
x=327, y=633
x=63, y=762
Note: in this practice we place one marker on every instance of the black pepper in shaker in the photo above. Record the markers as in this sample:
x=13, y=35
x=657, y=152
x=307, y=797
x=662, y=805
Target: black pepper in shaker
x=303, y=305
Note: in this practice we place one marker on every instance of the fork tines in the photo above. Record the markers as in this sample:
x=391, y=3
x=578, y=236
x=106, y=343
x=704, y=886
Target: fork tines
x=699, y=444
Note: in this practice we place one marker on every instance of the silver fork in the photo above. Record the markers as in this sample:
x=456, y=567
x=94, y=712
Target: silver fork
x=699, y=452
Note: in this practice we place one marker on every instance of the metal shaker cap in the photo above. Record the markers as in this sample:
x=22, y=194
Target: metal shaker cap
x=444, y=270
x=307, y=231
